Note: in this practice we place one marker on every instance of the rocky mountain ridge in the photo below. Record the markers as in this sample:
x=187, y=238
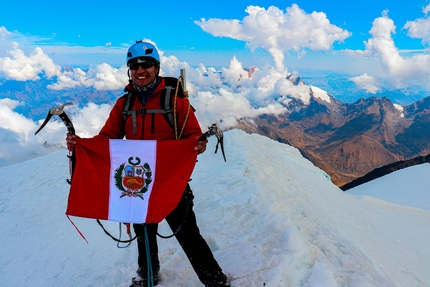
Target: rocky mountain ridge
x=348, y=140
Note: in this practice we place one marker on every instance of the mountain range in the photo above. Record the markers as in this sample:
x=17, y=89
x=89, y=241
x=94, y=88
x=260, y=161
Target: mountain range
x=347, y=140
x=37, y=99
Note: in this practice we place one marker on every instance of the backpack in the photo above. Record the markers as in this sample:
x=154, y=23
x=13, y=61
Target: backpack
x=165, y=103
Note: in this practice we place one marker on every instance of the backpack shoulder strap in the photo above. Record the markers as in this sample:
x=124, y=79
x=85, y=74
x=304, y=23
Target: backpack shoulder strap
x=128, y=105
x=166, y=99
x=169, y=91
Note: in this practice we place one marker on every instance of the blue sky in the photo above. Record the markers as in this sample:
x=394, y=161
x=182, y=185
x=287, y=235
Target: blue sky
x=83, y=33
x=172, y=27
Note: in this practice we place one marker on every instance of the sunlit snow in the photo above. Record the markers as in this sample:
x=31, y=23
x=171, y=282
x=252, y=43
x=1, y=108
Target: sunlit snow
x=270, y=217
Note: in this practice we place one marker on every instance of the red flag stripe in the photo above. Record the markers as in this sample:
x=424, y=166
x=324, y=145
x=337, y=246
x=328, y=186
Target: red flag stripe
x=91, y=175
x=94, y=176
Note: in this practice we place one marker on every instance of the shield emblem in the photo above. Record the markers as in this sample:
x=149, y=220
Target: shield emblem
x=133, y=179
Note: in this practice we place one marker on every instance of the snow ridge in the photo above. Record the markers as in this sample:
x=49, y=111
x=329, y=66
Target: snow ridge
x=270, y=217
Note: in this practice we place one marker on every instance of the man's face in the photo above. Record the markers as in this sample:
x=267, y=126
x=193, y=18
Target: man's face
x=142, y=75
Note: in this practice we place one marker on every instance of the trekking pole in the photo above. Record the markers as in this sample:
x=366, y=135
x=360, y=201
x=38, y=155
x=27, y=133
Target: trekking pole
x=181, y=79
x=184, y=81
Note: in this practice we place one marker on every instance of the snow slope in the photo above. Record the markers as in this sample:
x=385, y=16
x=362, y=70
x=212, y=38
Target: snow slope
x=396, y=187
x=270, y=216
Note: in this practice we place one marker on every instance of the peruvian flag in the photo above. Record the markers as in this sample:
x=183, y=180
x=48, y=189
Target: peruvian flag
x=134, y=181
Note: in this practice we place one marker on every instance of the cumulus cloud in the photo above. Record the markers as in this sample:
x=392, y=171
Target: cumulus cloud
x=278, y=32
x=101, y=77
x=231, y=94
x=17, y=131
x=426, y=9
x=366, y=82
x=33, y=67
x=420, y=28
x=4, y=33
x=223, y=96
x=402, y=71
x=23, y=68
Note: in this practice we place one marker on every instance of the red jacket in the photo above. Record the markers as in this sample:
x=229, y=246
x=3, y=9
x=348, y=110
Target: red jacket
x=150, y=126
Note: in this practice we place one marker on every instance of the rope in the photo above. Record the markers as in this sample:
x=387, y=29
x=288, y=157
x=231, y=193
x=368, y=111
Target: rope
x=149, y=271
x=120, y=232
x=174, y=110
x=178, y=137
x=188, y=208
x=110, y=235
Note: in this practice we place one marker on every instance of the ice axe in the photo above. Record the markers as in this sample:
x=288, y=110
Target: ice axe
x=59, y=111
x=214, y=130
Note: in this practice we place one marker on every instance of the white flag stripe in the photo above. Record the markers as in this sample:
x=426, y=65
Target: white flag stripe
x=134, y=155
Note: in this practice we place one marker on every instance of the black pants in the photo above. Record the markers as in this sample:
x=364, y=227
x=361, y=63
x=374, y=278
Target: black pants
x=188, y=236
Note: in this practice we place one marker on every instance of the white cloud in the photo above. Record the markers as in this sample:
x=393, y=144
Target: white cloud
x=13, y=121
x=101, y=77
x=402, y=71
x=234, y=74
x=16, y=65
x=22, y=68
x=278, y=32
x=17, y=133
x=426, y=9
x=88, y=120
x=366, y=82
x=19, y=143
x=401, y=109
x=4, y=33
x=228, y=95
x=227, y=107
x=420, y=28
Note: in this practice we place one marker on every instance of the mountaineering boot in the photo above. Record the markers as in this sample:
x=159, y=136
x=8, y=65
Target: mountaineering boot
x=142, y=282
x=222, y=281
x=218, y=284
x=224, y=284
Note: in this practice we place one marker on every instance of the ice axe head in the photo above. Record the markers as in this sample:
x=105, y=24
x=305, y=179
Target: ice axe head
x=214, y=130
x=59, y=111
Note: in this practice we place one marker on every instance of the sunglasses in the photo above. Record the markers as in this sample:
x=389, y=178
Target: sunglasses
x=143, y=64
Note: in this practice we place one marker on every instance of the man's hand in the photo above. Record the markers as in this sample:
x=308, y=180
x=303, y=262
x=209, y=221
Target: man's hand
x=201, y=146
x=70, y=139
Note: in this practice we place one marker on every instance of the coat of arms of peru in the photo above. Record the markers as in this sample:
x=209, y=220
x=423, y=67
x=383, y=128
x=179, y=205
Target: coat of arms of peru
x=133, y=179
